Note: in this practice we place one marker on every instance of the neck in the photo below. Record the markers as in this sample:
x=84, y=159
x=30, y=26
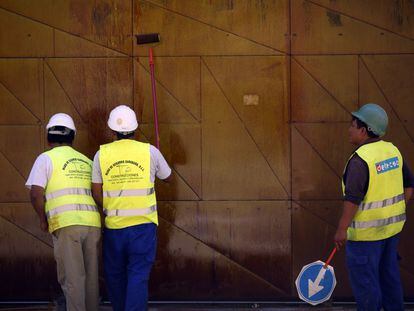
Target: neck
x=366, y=140
x=53, y=145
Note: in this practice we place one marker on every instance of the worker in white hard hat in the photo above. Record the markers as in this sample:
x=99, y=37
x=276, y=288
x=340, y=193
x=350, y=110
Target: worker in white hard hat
x=123, y=179
x=377, y=183
x=60, y=192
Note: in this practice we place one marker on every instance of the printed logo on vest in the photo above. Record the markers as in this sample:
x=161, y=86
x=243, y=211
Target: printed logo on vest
x=124, y=171
x=76, y=168
x=387, y=165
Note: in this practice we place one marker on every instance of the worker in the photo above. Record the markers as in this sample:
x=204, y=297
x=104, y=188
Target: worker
x=60, y=192
x=377, y=183
x=123, y=179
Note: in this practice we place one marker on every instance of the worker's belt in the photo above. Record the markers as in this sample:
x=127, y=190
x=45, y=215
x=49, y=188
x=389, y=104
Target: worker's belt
x=131, y=212
x=128, y=193
x=383, y=203
x=378, y=222
x=68, y=191
x=71, y=207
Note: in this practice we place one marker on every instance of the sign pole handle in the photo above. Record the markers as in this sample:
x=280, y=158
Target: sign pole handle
x=330, y=258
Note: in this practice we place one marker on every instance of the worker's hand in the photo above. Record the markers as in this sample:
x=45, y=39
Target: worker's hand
x=340, y=238
x=44, y=226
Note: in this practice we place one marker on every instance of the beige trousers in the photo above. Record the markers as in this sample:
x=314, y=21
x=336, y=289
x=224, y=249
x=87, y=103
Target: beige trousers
x=76, y=250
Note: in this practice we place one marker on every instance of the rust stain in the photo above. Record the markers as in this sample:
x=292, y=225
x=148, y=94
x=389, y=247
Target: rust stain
x=398, y=13
x=99, y=15
x=262, y=8
x=222, y=5
x=334, y=19
x=230, y=5
x=77, y=10
x=307, y=16
x=97, y=117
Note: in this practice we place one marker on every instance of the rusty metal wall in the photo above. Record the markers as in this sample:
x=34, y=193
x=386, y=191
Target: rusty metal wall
x=254, y=101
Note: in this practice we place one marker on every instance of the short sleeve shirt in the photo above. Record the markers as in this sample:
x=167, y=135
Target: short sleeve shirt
x=41, y=172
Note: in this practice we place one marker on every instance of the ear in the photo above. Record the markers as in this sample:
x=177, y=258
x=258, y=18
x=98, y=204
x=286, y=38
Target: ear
x=364, y=131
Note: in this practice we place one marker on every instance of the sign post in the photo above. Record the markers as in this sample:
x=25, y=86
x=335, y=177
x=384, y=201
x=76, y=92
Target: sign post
x=316, y=281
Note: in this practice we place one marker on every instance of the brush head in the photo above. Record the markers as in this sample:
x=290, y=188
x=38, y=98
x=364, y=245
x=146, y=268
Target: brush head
x=148, y=38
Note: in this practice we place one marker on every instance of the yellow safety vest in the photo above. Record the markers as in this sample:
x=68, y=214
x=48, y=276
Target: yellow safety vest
x=68, y=192
x=128, y=193
x=381, y=214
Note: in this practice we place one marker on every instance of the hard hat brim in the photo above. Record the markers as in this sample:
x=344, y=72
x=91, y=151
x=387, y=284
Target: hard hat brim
x=121, y=129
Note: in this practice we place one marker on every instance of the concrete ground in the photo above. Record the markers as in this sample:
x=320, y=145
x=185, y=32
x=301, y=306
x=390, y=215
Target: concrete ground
x=207, y=307
x=178, y=307
x=200, y=308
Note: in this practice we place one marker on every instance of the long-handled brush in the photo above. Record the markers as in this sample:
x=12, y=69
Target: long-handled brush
x=146, y=39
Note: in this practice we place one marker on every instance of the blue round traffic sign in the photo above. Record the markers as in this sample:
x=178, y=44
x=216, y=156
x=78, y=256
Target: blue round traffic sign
x=315, y=283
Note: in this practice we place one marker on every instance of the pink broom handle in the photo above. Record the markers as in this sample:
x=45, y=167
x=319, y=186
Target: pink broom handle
x=154, y=98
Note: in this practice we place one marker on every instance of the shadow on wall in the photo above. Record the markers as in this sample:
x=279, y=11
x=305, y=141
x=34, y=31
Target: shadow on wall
x=172, y=148
x=97, y=132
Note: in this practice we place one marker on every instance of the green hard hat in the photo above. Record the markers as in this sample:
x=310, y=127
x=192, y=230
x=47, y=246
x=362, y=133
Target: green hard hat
x=374, y=116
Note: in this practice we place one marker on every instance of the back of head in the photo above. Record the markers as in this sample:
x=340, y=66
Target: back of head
x=374, y=116
x=123, y=120
x=61, y=129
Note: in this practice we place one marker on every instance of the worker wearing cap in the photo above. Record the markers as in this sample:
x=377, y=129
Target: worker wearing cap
x=377, y=184
x=123, y=178
x=60, y=192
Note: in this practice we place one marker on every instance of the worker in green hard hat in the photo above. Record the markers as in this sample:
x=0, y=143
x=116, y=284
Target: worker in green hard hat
x=376, y=184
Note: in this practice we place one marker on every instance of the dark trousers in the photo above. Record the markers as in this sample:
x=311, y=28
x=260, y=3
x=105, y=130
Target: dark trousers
x=128, y=255
x=374, y=274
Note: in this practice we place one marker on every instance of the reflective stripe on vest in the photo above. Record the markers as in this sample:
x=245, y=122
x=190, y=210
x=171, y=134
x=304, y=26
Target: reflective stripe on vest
x=378, y=223
x=131, y=212
x=128, y=193
x=383, y=203
x=71, y=207
x=68, y=191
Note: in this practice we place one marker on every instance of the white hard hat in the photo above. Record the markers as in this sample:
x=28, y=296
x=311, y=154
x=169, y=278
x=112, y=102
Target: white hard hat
x=61, y=119
x=122, y=119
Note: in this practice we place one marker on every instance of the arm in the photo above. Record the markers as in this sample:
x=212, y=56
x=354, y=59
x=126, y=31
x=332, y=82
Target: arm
x=37, y=183
x=356, y=184
x=37, y=197
x=159, y=165
x=168, y=179
x=97, y=194
x=97, y=182
x=408, y=192
x=348, y=214
x=408, y=181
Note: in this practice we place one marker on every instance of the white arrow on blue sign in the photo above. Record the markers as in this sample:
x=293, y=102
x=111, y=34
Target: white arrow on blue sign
x=315, y=283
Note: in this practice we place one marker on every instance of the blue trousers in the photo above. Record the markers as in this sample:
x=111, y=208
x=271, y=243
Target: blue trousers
x=128, y=256
x=374, y=274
